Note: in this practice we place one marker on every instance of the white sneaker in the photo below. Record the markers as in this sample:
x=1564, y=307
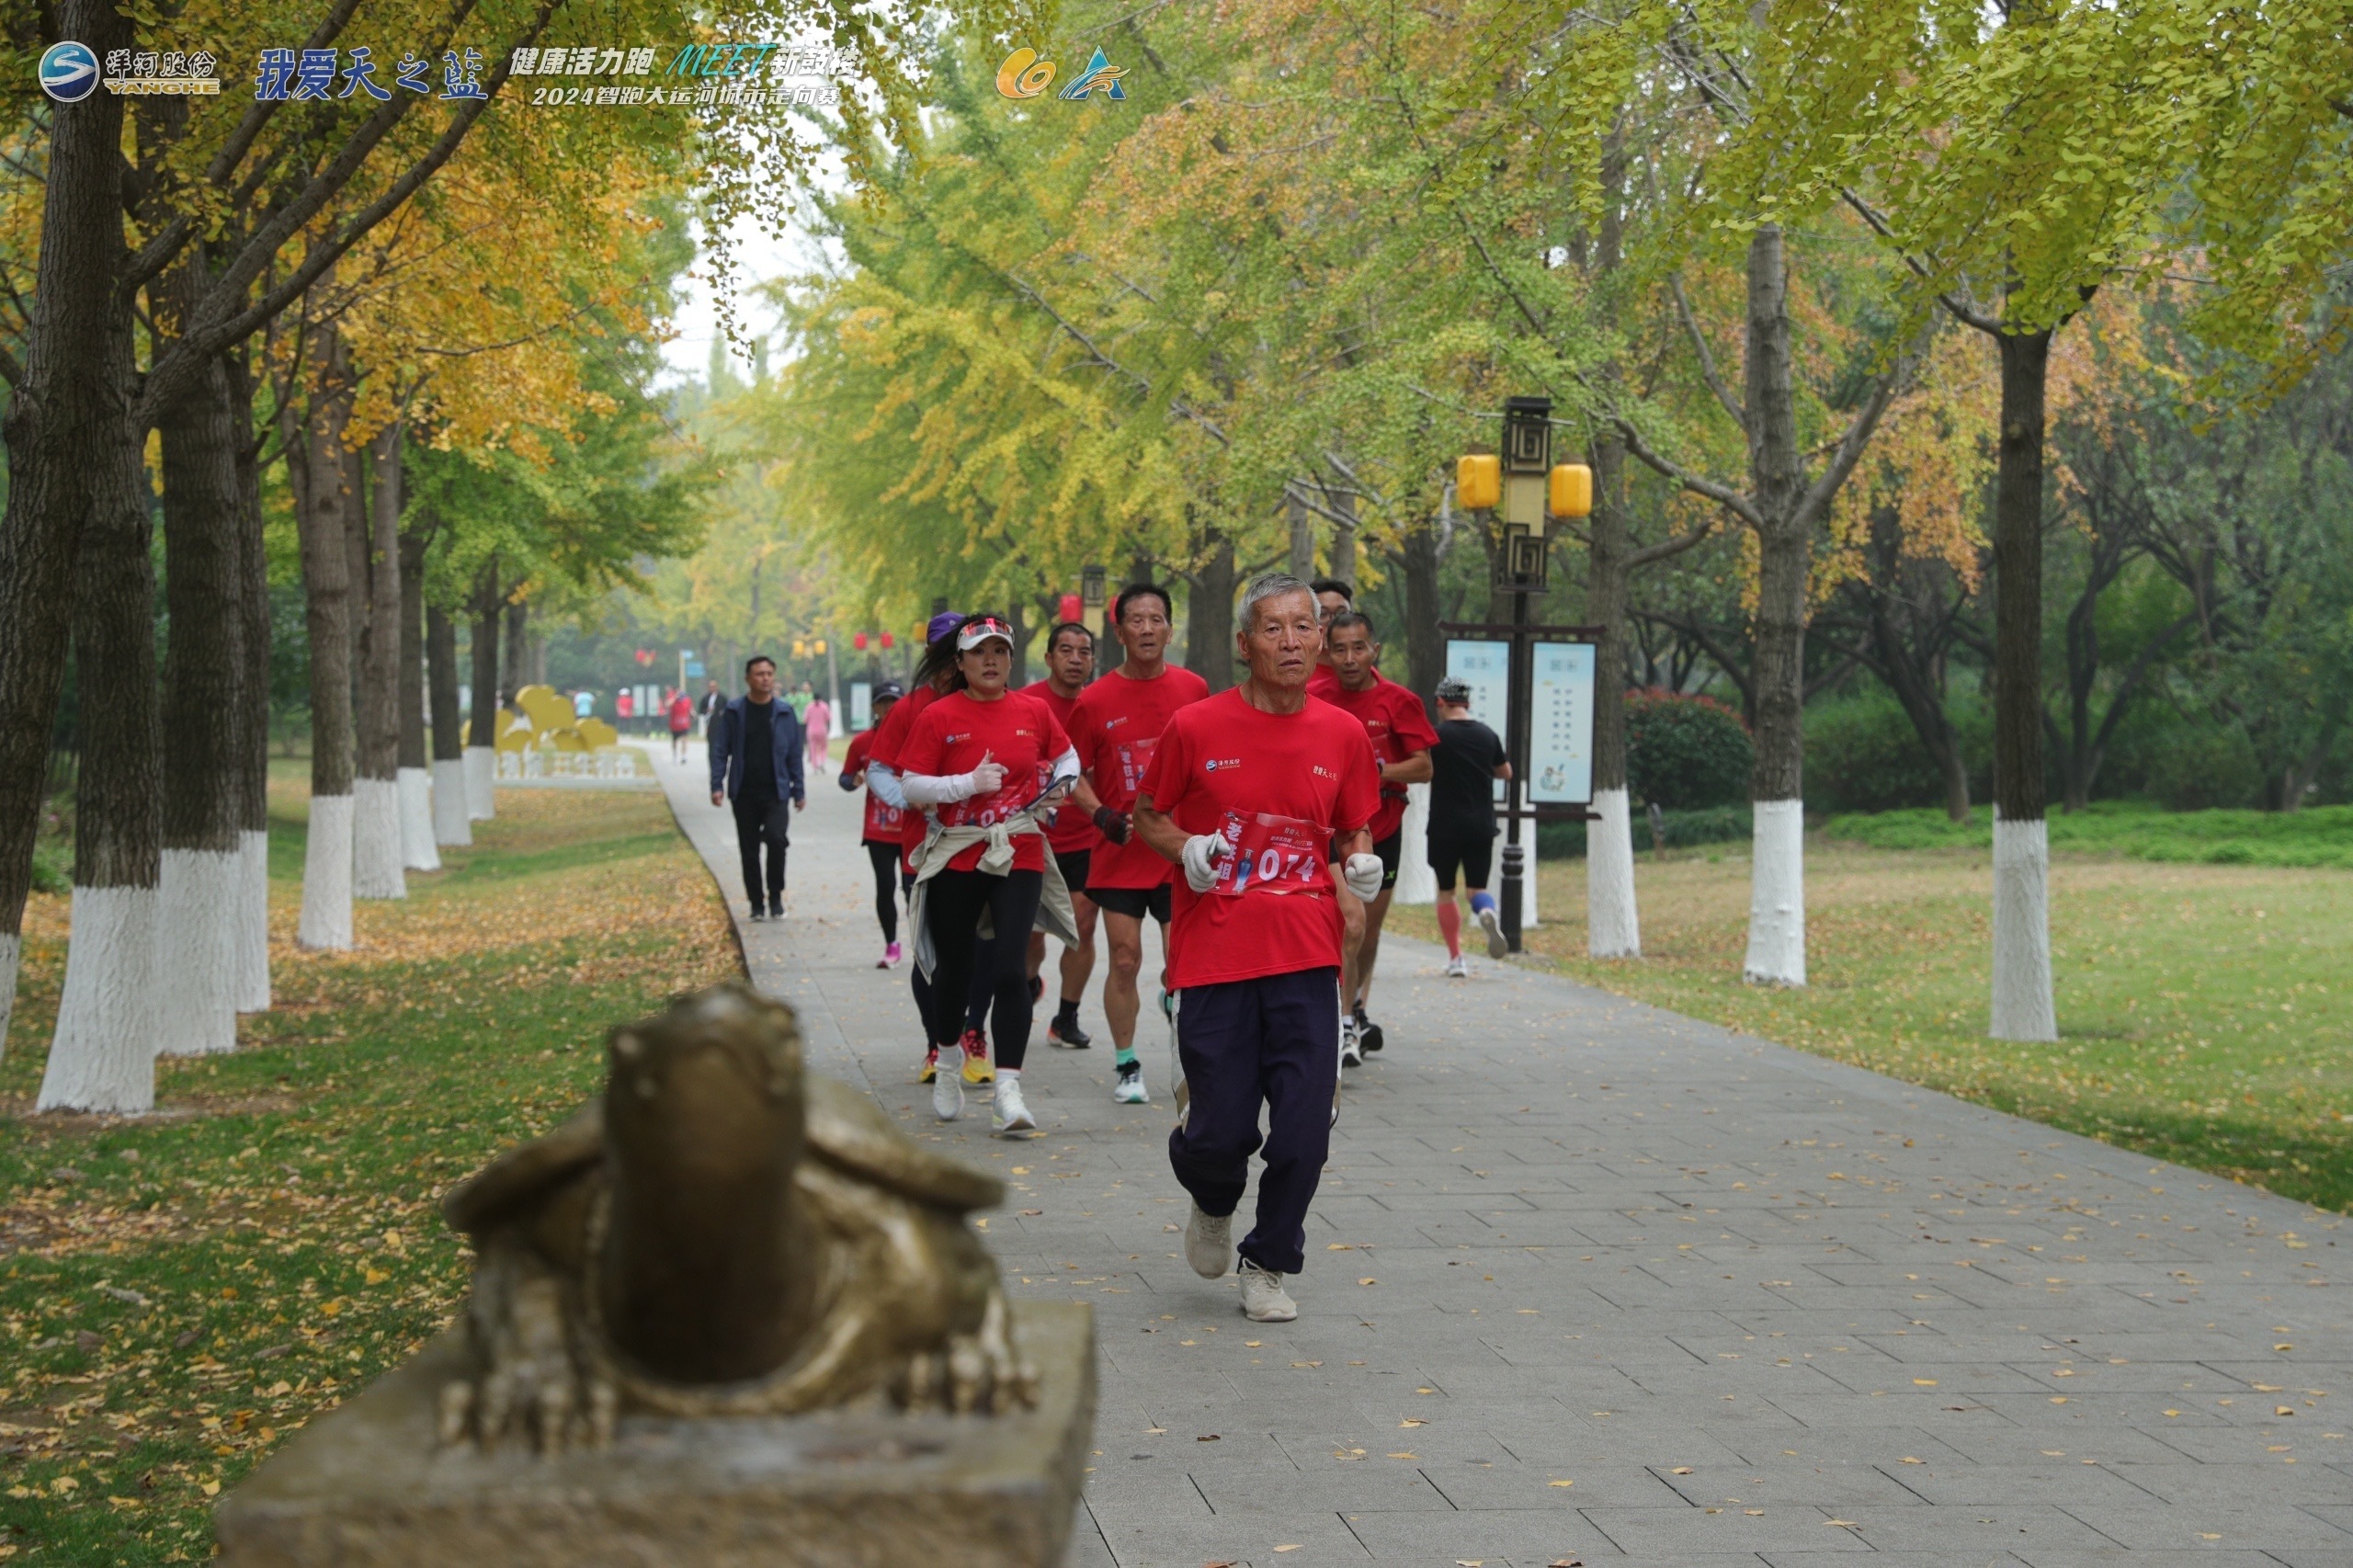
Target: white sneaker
x=1264, y=1299
x=1127, y=1087
x=1458, y=968
x=1009, y=1114
x=1209, y=1243
x=948, y=1094
x=1351, y=1046
x=1493, y=926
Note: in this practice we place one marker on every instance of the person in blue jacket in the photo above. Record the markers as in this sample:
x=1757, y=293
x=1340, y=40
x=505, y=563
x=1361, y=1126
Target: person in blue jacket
x=755, y=749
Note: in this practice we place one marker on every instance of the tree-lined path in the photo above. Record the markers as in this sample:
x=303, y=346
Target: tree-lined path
x=1592, y=1283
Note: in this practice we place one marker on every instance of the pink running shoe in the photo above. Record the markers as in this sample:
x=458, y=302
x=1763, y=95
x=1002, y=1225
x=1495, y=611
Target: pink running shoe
x=891, y=956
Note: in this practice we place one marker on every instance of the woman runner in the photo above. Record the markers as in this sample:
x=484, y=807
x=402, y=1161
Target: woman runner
x=974, y=760
x=882, y=830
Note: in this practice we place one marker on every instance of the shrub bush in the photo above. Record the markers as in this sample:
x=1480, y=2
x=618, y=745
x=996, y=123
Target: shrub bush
x=1862, y=754
x=1685, y=752
x=1707, y=824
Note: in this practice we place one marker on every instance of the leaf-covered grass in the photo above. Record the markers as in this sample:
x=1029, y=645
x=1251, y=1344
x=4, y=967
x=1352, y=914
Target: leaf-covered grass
x=2317, y=836
x=2206, y=1011
x=179, y=1293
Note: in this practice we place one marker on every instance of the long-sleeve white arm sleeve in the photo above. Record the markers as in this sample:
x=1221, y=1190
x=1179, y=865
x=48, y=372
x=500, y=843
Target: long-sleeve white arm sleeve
x=885, y=783
x=934, y=788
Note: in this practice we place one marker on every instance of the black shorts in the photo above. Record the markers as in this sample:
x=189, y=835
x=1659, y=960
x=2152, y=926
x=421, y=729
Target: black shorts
x=1074, y=865
x=1133, y=902
x=1475, y=857
x=1392, y=851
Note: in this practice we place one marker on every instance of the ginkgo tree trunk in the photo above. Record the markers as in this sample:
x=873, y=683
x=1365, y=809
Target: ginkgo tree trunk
x=417, y=849
x=376, y=870
x=317, y=463
x=481, y=737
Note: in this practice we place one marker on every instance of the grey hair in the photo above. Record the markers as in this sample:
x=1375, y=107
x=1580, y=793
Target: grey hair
x=1454, y=692
x=1270, y=586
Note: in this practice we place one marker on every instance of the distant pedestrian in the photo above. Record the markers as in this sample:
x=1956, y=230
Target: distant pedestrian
x=682, y=723
x=625, y=707
x=801, y=700
x=1467, y=760
x=584, y=703
x=756, y=765
x=818, y=721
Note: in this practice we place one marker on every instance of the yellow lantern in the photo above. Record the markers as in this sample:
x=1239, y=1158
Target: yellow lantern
x=799, y=649
x=820, y=647
x=1478, y=481
x=1570, y=491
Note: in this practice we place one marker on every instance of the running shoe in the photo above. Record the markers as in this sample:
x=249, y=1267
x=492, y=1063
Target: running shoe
x=930, y=1066
x=1128, y=1087
x=758, y=914
x=1264, y=1300
x=1209, y=1243
x=1367, y=1034
x=947, y=1097
x=1009, y=1114
x=1351, y=1048
x=1493, y=926
x=1458, y=968
x=977, y=1068
x=891, y=956
x=1065, y=1033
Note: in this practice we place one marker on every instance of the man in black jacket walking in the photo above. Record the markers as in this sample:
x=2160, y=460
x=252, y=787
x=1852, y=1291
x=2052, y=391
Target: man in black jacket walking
x=755, y=749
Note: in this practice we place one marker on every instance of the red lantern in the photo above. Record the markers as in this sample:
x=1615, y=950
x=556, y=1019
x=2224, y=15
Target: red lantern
x=1073, y=607
x=886, y=641
x=645, y=655
x=859, y=642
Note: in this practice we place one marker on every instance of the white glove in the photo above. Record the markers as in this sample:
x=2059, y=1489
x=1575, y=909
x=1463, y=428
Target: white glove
x=1202, y=852
x=1362, y=873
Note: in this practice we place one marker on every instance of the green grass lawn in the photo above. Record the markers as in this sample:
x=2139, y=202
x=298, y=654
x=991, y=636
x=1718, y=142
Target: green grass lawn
x=179, y=1292
x=2206, y=1010
x=2317, y=836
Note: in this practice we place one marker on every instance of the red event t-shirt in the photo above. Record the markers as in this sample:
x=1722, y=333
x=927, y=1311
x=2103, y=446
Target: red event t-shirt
x=1222, y=757
x=887, y=742
x=953, y=735
x=1117, y=722
x=884, y=821
x=1072, y=830
x=1394, y=722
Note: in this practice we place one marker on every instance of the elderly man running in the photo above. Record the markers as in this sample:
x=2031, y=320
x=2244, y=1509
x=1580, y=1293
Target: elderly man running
x=1248, y=792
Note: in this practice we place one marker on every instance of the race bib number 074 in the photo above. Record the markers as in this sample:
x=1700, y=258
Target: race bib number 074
x=1271, y=854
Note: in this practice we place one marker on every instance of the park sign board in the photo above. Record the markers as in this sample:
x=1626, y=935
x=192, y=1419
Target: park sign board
x=1560, y=729
x=1485, y=668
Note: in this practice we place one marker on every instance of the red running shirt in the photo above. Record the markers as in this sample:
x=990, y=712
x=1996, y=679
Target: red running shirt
x=1394, y=721
x=1116, y=725
x=887, y=742
x=1072, y=829
x=952, y=736
x=883, y=820
x=1223, y=767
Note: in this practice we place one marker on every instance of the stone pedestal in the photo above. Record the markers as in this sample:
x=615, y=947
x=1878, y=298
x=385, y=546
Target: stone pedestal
x=367, y=1485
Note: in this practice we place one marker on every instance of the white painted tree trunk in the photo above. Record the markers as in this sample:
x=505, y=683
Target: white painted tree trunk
x=2022, y=1001
x=10, y=947
x=418, y=853
x=452, y=823
x=376, y=839
x=103, y=1055
x=1417, y=883
x=1777, y=895
x=253, y=924
x=195, y=954
x=482, y=782
x=326, y=875
x=1527, y=872
x=1613, y=925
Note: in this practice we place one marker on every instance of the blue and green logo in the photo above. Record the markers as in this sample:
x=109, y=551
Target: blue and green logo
x=69, y=72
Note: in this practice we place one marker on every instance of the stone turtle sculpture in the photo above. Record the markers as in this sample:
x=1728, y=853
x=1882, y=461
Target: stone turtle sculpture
x=722, y=1235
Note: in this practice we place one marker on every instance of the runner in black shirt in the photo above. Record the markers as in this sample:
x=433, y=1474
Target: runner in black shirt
x=1466, y=761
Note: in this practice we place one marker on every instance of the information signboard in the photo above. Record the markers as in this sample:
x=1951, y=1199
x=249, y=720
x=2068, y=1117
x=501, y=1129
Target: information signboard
x=1485, y=668
x=1560, y=712
x=861, y=705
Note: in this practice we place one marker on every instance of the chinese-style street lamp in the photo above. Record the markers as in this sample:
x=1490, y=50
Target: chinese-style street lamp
x=1527, y=490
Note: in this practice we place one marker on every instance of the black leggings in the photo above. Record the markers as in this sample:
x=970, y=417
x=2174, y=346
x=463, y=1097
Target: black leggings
x=953, y=906
x=886, y=886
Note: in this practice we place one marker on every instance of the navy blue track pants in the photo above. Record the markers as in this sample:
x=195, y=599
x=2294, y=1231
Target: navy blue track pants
x=1272, y=1040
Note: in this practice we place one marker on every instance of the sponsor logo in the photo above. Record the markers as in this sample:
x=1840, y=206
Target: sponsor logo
x=1213, y=764
x=173, y=74
x=1024, y=75
x=1323, y=772
x=956, y=740
x=1115, y=723
x=69, y=72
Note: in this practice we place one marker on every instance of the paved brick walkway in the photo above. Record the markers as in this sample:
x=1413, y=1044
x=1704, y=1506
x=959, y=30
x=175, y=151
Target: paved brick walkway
x=1592, y=1283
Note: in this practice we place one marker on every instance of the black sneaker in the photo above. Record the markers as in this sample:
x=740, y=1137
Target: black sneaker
x=1064, y=1032
x=1367, y=1033
x=759, y=913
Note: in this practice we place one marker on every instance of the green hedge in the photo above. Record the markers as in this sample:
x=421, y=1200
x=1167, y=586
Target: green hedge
x=2318, y=836
x=51, y=870
x=1711, y=825
x=1685, y=752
